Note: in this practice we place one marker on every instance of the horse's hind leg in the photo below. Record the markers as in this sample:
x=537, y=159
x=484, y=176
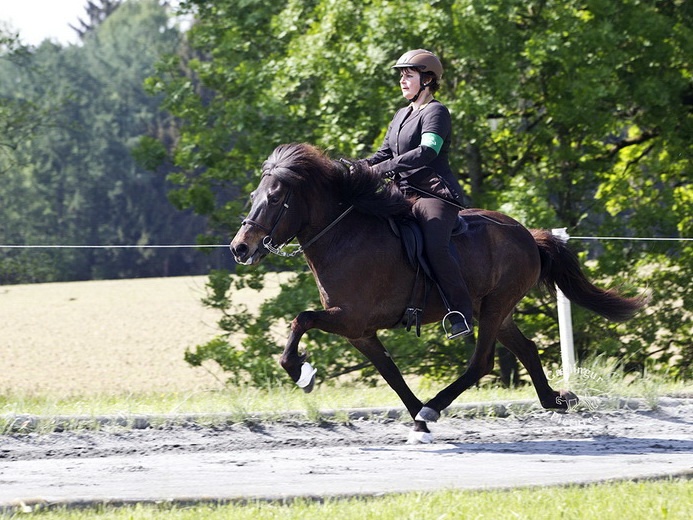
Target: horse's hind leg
x=373, y=349
x=526, y=351
x=480, y=364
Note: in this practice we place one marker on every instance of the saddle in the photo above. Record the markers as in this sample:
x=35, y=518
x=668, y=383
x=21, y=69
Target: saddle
x=411, y=236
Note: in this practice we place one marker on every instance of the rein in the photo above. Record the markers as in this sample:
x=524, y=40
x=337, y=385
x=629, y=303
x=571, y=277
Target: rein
x=460, y=206
x=277, y=249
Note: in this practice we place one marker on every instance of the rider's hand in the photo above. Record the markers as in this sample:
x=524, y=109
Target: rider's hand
x=361, y=165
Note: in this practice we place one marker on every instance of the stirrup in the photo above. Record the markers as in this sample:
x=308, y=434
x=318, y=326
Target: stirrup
x=464, y=328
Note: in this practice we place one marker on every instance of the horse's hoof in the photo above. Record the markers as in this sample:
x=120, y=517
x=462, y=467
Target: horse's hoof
x=427, y=414
x=307, y=379
x=309, y=388
x=420, y=438
x=563, y=400
x=569, y=398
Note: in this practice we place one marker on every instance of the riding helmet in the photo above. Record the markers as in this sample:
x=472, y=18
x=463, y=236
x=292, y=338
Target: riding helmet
x=422, y=60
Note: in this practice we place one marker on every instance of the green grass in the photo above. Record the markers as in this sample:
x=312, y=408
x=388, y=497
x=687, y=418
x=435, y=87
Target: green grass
x=605, y=378
x=647, y=500
x=235, y=404
x=594, y=378
x=597, y=378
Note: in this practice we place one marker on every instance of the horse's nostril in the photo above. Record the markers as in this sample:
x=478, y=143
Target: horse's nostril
x=239, y=250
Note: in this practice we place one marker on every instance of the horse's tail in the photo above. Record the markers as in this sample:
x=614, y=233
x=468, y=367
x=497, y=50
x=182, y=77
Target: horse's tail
x=560, y=267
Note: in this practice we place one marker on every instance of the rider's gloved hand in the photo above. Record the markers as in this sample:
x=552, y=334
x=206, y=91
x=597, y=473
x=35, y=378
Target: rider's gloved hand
x=356, y=166
x=362, y=165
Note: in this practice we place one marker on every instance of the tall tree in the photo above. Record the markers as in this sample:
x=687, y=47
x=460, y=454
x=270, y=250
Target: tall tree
x=79, y=182
x=566, y=114
x=97, y=12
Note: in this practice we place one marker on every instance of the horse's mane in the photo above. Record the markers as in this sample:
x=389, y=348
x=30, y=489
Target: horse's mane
x=304, y=166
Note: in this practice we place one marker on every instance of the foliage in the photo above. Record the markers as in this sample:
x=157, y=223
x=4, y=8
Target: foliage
x=96, y=15
x=567, y=114
x=18, y=117
x=73, y=178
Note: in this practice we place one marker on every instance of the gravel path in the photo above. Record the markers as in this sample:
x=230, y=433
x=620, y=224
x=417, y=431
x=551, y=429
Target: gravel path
x=297, y=458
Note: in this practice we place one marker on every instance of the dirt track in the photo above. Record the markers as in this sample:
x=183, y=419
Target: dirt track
x=297, y=458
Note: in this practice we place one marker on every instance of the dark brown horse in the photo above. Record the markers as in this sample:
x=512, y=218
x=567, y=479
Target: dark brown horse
x=340, y=219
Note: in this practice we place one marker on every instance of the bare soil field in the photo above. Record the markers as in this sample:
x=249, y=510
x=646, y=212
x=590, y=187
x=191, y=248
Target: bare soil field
x=114, y=336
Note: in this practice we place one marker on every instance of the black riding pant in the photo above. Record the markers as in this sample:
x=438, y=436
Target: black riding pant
x=437, y=219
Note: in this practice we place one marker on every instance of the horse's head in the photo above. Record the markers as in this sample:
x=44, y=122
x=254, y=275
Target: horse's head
x=302, y=189
x=267, y=222
x=277, y=212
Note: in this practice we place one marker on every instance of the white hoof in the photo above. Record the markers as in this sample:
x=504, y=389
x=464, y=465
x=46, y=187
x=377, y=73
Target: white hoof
x=427, y=414
x=420, y=438
x=307, y=375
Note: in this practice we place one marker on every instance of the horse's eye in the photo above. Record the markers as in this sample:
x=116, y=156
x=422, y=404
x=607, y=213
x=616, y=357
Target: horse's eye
x=252, y=195
x=274, y=200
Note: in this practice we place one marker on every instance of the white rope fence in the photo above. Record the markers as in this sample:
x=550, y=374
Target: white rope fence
x=558, y=232
x=202, y=246
x=636, y=239
x=122, y=246
x=565, y=324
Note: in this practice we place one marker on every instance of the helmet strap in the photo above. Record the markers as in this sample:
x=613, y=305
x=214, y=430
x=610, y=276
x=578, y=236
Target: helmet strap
x=421, y=89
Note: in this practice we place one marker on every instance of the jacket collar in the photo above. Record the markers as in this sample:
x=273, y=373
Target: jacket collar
x=411, y=114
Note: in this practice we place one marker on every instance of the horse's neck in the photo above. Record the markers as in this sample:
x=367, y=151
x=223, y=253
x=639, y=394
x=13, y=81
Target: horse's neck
x=355, y=233
x=321, y=219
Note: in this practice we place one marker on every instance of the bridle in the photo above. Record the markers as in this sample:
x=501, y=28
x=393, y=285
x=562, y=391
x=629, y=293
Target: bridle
x=270, y=247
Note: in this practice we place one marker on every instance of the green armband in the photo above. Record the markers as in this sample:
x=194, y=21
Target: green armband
x=432, y=140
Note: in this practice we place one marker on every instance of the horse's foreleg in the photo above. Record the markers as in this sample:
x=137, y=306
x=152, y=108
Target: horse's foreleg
x=291, y=360
x=373, y=349
x=526, y=351
x=332, y=320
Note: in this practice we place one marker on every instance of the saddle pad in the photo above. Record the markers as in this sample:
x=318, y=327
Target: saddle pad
x=409, y=231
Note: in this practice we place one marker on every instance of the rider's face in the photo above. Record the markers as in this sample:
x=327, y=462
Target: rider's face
x=409, y=82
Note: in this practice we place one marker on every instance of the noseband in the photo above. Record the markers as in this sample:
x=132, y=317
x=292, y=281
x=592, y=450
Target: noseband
x=267, y=241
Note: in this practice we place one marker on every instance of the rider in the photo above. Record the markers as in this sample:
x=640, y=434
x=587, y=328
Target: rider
x=415, y=154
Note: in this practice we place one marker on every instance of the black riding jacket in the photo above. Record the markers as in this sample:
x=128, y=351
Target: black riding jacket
x=409, y=150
